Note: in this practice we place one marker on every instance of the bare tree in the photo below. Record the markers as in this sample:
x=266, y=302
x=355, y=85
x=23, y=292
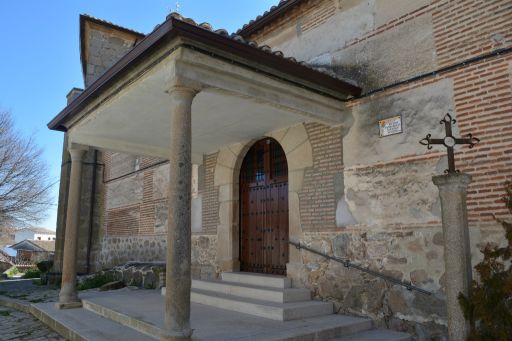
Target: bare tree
x=24, y=182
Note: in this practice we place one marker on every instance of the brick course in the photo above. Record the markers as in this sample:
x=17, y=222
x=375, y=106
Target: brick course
x=210, y=195
x=317, y=198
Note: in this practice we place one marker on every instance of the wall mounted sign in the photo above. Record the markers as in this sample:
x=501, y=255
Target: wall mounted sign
x=390, y=126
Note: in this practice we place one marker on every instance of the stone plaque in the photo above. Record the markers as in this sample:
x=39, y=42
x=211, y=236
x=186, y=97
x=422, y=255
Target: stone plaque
x=390, y=126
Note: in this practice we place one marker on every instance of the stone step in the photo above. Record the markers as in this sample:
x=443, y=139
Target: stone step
x=264, y=280
x=270, y=310
x=143, y=311
x=81, y=324
x=375, y=334
x=270, y=294
x=139, y=325
x=325, y=328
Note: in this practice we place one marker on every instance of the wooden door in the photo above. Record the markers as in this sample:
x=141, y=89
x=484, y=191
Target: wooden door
x=264, y=209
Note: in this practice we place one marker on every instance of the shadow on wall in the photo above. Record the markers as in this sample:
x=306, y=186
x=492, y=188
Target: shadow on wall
x=362, y=74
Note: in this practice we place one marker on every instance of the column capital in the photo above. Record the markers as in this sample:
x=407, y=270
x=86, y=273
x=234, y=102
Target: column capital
x=181, y=85
x=183, y=92
x=460, y=180
x=76, y=154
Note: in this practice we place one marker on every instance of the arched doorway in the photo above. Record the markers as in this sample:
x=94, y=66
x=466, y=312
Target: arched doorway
x=264, y=209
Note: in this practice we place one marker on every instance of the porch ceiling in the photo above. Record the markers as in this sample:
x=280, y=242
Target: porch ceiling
x=240, y=97
x=140, y=123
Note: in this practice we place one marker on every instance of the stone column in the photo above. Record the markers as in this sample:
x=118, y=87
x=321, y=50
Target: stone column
x=457, y=252
x=178, y=274
x=68, y=297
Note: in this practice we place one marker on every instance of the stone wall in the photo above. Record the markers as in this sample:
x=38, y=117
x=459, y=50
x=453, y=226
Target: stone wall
x=386, y=211
x=204, y=257
x=413, y=254
x=104, y=46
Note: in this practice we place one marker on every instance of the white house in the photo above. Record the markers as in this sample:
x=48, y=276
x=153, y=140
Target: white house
x=34, y=233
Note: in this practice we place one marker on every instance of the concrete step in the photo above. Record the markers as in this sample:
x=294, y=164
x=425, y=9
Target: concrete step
x=264, y=280
x=81, y=324
x=143, y=311
x=270, y=310
x=318, y=329
x=139, y=325
x=374, y=335
x=254, y=291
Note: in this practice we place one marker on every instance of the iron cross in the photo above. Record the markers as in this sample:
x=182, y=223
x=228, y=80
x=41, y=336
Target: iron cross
x=449, y=142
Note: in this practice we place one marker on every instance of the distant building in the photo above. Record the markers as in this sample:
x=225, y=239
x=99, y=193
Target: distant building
x=6, y=261
x=34, y=233
x=33, y=251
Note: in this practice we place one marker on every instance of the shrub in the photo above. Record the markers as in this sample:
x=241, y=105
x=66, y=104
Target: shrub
x=94, y=281
x=45, y=266
x=13, y=271
x=489, y=306
x=32, y=273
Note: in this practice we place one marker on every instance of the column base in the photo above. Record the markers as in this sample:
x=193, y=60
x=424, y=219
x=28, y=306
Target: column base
x=69, y=305
x=184, y=336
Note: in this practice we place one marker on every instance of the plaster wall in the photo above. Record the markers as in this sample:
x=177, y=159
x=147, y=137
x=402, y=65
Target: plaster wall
x=332, y=40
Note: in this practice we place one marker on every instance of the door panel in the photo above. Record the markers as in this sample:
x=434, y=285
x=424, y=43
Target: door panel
x=264, y=209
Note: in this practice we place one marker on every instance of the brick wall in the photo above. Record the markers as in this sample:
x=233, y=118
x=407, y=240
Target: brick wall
x=466, y=28
x=316, y=16
x=462, y=29
x=137, y=218
x=483, y=100
x=317, y=198
x=210, y=195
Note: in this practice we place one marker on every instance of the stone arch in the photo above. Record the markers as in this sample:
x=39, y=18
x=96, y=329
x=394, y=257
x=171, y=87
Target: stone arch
x=299, y=153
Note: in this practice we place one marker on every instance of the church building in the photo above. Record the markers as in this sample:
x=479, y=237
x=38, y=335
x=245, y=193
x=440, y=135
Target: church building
x=213, y=153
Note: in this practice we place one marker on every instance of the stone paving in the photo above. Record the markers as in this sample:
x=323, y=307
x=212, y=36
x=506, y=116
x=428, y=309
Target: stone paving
x=17, y=325
x=27, y=291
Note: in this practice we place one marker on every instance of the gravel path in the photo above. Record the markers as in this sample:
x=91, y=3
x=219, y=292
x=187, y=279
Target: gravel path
x=25, y=290
x=17, y=325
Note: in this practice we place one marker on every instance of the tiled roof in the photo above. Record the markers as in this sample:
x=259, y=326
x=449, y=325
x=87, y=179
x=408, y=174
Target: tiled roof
x=35, y=245
x=274, y=11
x=111, y=24
x=289, y=69
x=47, y=245
x=240, y=39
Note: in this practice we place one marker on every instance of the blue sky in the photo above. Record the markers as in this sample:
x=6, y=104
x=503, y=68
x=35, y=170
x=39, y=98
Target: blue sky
x=40, y=61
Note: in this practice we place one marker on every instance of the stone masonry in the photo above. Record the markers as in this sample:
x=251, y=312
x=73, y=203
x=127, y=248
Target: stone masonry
x=352, y=193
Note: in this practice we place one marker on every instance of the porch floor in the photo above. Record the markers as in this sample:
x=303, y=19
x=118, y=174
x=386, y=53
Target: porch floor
x=143, y=311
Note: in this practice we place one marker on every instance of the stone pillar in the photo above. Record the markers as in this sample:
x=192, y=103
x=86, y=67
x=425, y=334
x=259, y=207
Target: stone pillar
x=457, y=252
x=178, y=273
x=68, y=297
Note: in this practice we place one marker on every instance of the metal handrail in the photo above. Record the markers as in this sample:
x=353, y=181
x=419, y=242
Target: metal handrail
x=348, y=264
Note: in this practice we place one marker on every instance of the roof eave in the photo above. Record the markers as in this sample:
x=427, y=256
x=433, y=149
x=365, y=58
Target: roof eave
x=173, y=27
